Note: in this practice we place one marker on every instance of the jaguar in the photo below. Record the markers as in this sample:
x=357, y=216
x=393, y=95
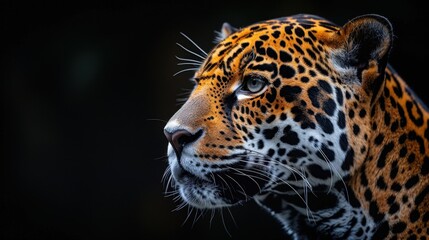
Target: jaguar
x=308, y=119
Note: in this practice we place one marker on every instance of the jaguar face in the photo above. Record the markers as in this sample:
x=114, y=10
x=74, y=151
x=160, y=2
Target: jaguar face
x=269, y=109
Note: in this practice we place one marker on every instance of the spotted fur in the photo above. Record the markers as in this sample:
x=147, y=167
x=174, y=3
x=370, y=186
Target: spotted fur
x=309, y=120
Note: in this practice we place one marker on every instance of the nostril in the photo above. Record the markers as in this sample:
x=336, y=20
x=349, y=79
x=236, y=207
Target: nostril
x=183, y=137
x=179, y=138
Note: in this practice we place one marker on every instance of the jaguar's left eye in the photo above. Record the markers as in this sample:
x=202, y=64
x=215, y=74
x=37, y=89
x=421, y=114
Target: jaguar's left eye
x=253, y=84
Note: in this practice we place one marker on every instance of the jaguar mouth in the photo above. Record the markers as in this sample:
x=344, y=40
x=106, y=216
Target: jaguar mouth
x=230, y=186
x=181, y=175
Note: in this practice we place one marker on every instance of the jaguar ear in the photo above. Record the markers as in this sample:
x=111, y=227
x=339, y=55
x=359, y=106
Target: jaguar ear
x=363, y=45
x=225, y=31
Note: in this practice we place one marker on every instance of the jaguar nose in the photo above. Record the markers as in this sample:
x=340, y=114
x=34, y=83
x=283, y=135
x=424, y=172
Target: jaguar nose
x=180, y=138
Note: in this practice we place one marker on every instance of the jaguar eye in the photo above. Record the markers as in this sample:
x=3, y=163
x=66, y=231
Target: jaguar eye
x=253, y=84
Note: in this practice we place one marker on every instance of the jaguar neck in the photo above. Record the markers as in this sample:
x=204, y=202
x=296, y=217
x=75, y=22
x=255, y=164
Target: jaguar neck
x=327, y=214
x=397, y=131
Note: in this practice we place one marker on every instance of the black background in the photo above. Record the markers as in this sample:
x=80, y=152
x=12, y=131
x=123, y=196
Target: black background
x=87, y=88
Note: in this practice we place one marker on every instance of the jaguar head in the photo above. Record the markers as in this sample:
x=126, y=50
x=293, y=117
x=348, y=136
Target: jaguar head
x=269, y=108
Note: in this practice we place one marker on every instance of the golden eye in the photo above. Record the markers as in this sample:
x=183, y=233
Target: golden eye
x=253, y=84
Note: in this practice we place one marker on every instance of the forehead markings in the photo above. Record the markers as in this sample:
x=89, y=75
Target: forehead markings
x=225, y=55
x=230, y=57
x=230, y=43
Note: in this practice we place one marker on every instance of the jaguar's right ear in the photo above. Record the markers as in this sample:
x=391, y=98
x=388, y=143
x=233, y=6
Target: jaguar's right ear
x=225, y=31
x=361, y=49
